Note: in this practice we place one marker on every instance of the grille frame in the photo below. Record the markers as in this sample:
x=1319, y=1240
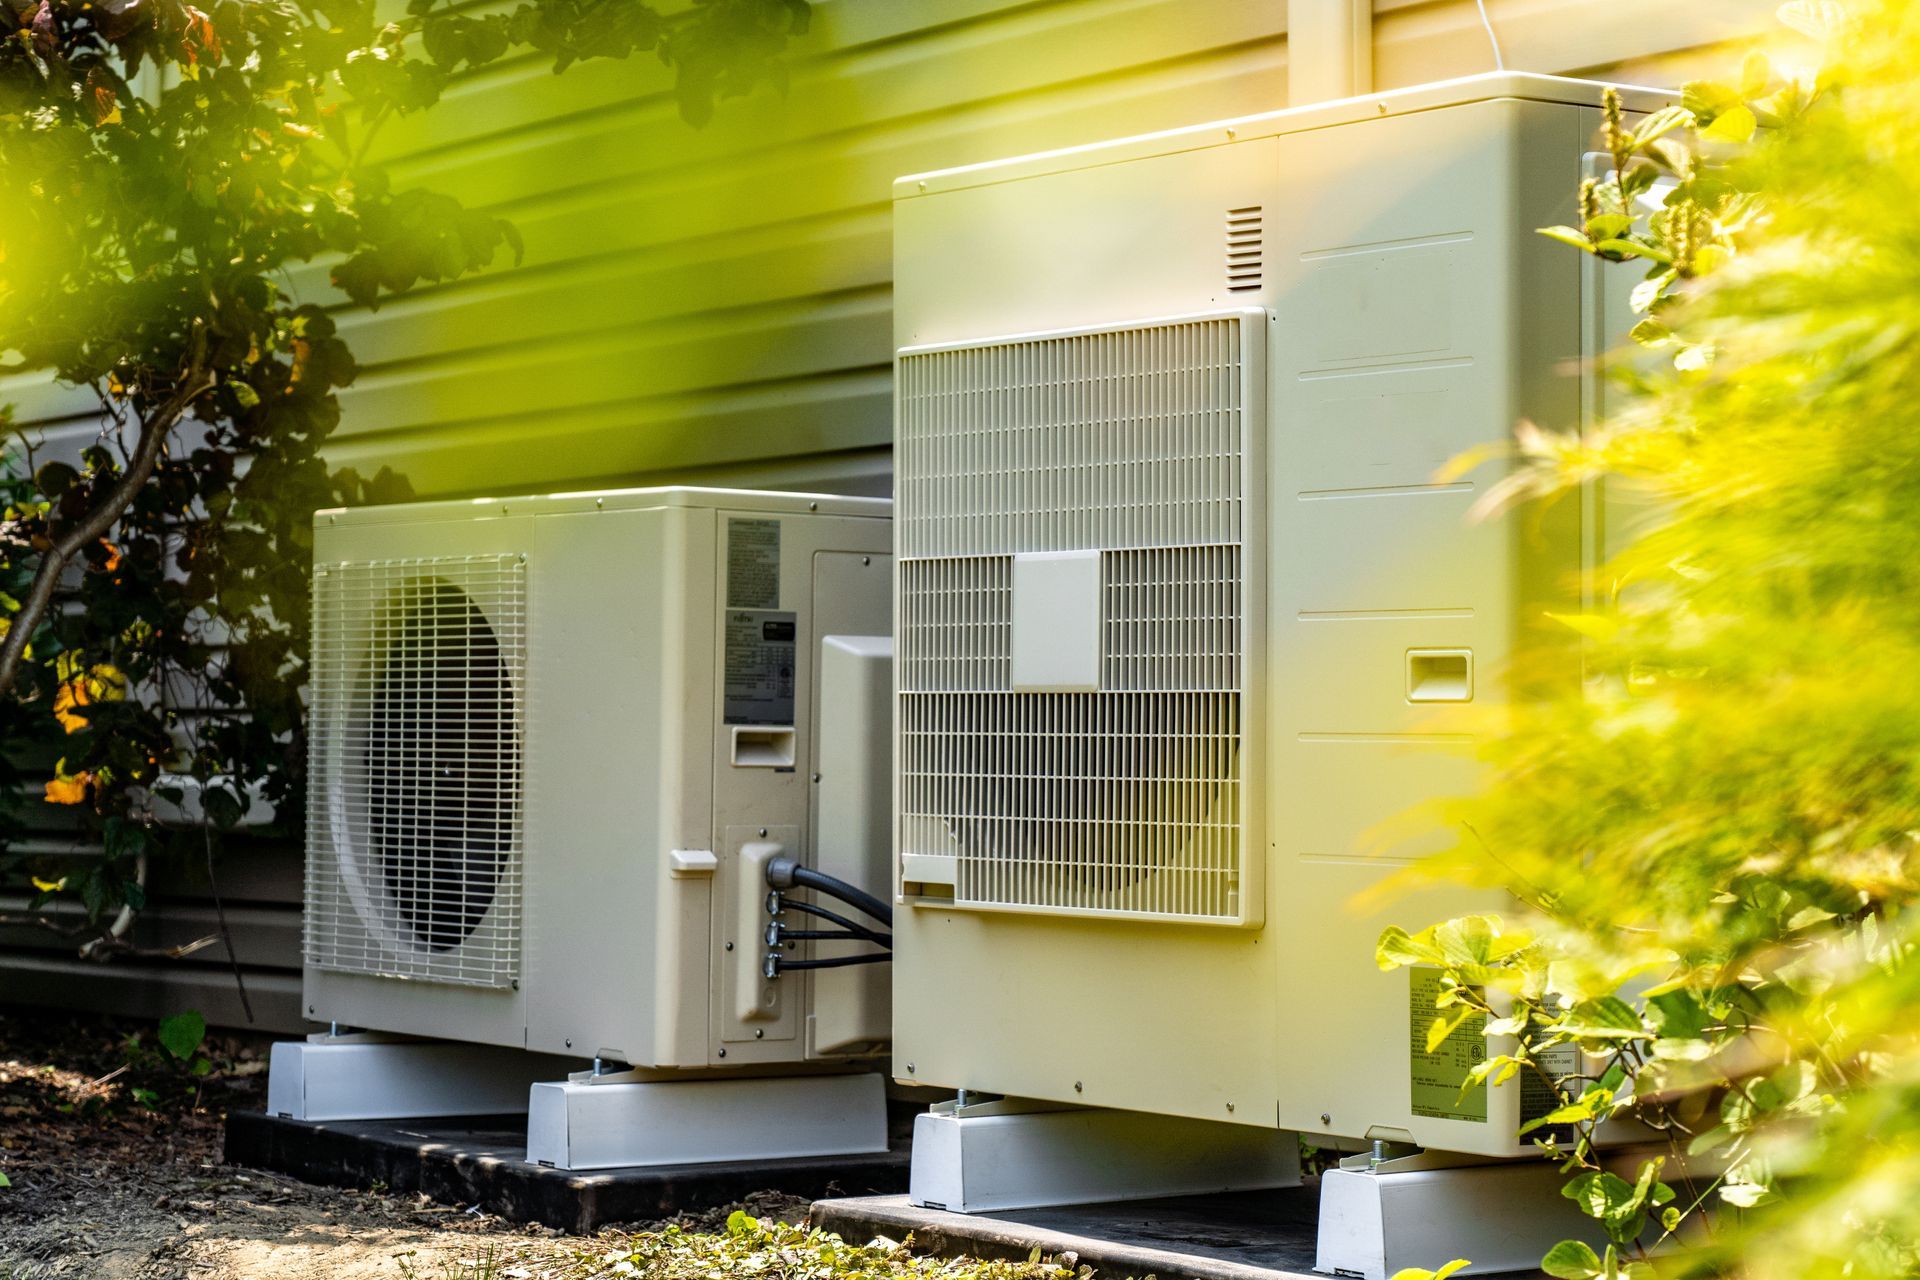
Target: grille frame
x=358, y=919
x=982, y=568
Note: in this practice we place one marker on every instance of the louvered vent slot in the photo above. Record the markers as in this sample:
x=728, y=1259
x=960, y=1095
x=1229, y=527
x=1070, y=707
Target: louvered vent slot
x=1121, y=801
x=1244, y=269
x=414, y=857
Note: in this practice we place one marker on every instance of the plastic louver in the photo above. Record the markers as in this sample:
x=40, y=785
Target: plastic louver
x=1128, y=441
x=414, y=818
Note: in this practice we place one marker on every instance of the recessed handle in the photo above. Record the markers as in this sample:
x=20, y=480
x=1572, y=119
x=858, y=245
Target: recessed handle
x=1439, y=675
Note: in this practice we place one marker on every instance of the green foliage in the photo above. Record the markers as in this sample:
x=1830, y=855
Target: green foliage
x=1712, y=845
x=182, y=1034
x=162, y=165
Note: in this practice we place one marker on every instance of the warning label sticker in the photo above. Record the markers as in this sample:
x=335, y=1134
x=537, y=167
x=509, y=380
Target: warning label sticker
x=1438, y=1077
x=753, y=564
x=759, y=655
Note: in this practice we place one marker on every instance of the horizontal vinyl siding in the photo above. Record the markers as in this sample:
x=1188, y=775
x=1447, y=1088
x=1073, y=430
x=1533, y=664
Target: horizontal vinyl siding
x=715, y=304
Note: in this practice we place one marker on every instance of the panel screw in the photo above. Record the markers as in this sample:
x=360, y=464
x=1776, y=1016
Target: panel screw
x=763, y=833
x=813, y=506
x=599, y=503
x=1231, y=133
x=1229, y=1107
x=569, y=1044
x=909, y=1068
x=1325, y=1118
x=729, y=946
x=759, y=1033
x=309, y=1008
x=723, y=1053
x=1077, y=1088
x=816, y=777
x=866, y=559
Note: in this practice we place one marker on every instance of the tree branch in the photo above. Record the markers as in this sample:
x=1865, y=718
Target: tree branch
x=154, y=430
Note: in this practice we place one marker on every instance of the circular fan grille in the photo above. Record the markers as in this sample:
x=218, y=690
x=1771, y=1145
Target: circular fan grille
x=440, y=764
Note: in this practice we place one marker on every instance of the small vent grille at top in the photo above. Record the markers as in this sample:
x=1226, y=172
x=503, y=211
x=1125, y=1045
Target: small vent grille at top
x=414, y=848
x=1243, y=249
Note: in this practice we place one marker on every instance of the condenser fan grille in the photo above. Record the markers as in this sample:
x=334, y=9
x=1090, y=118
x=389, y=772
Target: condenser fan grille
x=414, y=863
x=1129, y=442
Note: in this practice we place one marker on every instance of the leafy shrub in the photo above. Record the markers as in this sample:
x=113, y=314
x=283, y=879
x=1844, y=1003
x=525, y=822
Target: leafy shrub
x=1713, y=845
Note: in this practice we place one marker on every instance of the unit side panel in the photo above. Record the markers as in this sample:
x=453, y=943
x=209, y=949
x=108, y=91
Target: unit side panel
x=609, y=796
x=486, y=1014
x=765, y=589
x=1416, y=318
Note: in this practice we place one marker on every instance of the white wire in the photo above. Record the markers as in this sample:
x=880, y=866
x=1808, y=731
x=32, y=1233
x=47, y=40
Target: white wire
x=1499, y=63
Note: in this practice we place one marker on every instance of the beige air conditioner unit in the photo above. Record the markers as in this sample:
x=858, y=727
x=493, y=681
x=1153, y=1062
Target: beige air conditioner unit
x=1187, y=622
x=556, y=742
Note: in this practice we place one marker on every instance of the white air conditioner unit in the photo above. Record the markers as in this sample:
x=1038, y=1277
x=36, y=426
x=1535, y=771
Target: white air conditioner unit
x=1187, y=623
x=556, y=742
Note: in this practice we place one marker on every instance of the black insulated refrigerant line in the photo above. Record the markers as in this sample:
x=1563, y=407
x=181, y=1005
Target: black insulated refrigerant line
x=786, y=873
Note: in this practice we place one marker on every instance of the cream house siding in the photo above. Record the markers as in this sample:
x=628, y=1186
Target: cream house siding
x=716, y=303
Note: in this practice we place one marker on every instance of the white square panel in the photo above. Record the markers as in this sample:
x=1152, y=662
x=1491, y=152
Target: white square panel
x=1056, y=622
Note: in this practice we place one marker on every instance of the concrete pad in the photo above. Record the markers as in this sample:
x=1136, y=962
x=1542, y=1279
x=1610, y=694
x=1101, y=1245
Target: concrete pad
x=482, y=1161
x=1246, y=1235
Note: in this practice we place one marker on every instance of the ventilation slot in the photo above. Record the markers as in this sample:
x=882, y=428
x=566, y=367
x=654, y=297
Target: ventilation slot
x=414, y=819
x=1125, y=800
x=1244, y=249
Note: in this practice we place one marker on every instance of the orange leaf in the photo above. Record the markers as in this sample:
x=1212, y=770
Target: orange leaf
x=69, y=790
x=70, y=695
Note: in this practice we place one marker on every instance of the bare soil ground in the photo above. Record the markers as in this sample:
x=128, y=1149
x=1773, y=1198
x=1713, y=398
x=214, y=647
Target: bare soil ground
x=113, y=1153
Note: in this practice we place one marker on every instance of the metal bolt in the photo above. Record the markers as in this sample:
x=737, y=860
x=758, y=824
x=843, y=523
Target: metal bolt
x=1379, y=1156
x=773, y=902
x=599, y=502
x=729, y=946
x=961, y=1100
x=333, y=1029
x=1229, y=1108
x=909, y=1068
x=569, y=1044
x=816, y=777
x=813, y=506
x=759, y=1033
x=923, y=186
x=723, y=1053
x=597, y=1068
x=1077, y=1087
x=309, y=1008
x=763, y=833
x=1325, y=1118
x=866, y=559
x=1231, y=133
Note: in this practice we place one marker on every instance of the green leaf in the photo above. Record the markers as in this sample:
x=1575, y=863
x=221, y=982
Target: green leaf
x=1606, y=226
x=1734, y=125
x=1421, y=1273
x=1568, y=235
x=182, y=1034
x=5, y=1181
x=1571, y=1260
x=1659, y=124
x=1605, y=1018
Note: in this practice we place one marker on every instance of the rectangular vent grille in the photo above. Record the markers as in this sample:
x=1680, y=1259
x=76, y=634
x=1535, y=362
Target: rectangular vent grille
x=1123, y=438
x=414, y=840
x=1121, y=801
x=1244, y=249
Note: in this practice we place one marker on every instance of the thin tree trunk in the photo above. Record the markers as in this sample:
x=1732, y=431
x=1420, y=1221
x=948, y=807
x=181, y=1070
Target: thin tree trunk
x=154, y=430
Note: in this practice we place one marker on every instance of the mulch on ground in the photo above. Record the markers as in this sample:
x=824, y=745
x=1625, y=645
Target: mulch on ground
x=113, y=1153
